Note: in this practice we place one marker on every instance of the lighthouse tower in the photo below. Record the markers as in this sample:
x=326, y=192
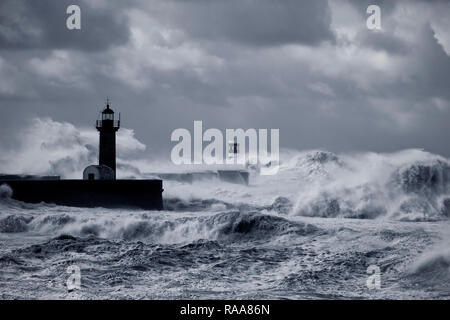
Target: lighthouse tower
x=106, y=168
x=108, y=127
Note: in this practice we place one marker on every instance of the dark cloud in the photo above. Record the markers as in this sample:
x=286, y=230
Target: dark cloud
x=249, y=64
x=41, y=24
x=386, y=6
x=254, y=22
x=383, y=41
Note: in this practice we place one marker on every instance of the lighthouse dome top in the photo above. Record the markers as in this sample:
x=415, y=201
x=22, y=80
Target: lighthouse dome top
x=108, y=110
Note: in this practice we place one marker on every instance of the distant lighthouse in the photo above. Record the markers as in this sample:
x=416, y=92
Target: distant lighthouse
x=107, y=127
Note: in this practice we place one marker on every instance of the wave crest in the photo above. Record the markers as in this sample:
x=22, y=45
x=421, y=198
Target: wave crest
x=14, y=224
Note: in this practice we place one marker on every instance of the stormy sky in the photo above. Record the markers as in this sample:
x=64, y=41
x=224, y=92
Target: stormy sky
x=310, y=68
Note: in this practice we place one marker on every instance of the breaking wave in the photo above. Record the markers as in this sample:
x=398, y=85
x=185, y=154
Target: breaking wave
x=225, y=226
x=14, y=224
x=410, y=185
x=432, y=269
x=5, y=192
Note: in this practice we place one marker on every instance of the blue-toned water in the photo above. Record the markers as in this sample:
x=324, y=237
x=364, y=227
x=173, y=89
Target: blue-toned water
x=311, y=231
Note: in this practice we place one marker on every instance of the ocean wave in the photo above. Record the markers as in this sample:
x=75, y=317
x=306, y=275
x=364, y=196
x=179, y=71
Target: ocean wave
x=432, y=268
x=429, y=178
x=369, y=186
x=261, y=226
x=222, y=226
x=14, y=224
x=281, y=205
x=5, y=192
x=235, y=226
x=409, y=185
x=194, y=204
x=56, y=245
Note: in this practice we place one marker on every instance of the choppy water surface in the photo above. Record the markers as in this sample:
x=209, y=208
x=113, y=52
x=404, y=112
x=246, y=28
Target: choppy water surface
x=311, y=231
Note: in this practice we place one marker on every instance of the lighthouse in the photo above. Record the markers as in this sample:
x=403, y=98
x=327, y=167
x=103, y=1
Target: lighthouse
x=99, y=187
x=107, y=126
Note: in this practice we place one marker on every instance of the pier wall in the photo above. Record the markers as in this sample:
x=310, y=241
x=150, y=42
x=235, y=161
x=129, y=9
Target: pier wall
x=143, y=194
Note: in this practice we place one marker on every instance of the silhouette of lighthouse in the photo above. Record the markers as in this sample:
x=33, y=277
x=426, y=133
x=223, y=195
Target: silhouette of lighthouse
x=107, y=127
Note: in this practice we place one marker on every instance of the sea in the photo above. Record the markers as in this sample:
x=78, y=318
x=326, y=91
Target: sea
x=326, y=226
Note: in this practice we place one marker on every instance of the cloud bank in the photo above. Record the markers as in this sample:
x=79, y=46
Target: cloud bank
x=310, y=68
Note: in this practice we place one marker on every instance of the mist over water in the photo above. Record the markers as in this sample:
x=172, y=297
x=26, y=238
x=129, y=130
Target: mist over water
x=309, y=231
x=49, y=147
